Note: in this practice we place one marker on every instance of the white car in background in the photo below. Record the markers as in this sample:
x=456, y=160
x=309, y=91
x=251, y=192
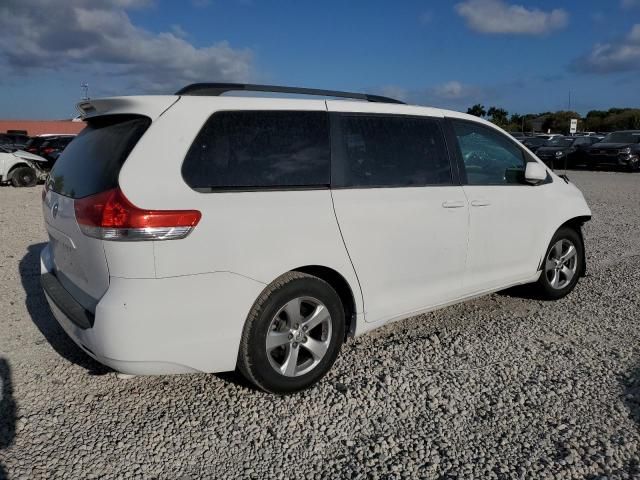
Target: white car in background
x=21, y=169
x=205, y=233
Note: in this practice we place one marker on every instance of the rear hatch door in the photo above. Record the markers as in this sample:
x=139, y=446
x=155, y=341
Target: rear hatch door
x=89, y=165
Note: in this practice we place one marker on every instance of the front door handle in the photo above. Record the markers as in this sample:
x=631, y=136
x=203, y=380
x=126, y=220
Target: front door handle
x=480, y=203
x=453, y=204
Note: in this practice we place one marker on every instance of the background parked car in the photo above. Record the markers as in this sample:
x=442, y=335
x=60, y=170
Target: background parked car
x=22, y=169
x=48, y=146
x=13, y=141
x=53, y=147
x=618, y=149
x=520, y=136
x=533, y=143
x=565, y=152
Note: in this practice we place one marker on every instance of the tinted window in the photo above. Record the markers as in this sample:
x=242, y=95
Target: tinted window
x=582, y=141
x=35, y=142
x=379, y=151
x=622, y=137
x=489, y=157
x=559, y=142
x=63, y=142
x=92, y=162
x=260, y=149
x=534, y=142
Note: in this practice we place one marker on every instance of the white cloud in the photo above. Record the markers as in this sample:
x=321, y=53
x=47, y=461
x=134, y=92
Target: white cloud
x=97, y=36
x=497, y=16
x=616, y=56
x=452, y=94
x=451, y=90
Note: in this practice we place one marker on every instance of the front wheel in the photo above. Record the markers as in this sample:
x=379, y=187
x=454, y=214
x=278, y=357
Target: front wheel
x=563, y=264
x=24, y=177
x=293, y=334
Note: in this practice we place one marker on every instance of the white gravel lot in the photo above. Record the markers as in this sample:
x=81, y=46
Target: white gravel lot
x=500, y=387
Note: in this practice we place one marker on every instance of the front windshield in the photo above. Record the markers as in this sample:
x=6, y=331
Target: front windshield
x=622, y=137
x=559, y=142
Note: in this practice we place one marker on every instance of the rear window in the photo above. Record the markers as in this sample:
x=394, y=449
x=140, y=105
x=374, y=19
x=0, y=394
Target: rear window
x=36, y=141
x=260, y=149
x=91, y=163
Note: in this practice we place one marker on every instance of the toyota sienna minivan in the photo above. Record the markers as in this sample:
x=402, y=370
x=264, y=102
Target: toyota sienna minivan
x=203, y=232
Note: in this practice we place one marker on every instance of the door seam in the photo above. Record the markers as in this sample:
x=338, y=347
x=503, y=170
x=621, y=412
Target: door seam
x=355, y=272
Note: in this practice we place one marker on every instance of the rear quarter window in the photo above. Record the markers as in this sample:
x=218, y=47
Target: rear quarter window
x=260, y=149
x=91, y=163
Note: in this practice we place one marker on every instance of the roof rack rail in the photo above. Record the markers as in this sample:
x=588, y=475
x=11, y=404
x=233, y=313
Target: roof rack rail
x=216, y=89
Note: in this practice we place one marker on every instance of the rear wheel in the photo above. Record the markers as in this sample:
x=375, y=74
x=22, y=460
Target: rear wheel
x=562, y=265
x=292, y=335
x=24, y=177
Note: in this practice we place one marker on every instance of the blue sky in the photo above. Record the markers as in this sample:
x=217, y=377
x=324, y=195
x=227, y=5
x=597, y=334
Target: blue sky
x=524, y=56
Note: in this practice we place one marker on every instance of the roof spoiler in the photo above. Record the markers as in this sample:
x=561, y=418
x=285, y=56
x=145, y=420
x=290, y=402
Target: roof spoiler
x=151, y=106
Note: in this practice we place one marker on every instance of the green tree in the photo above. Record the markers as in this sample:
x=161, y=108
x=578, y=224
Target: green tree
x=559, y=122
x=498, y=115
x=623, y=119
x=477, y=110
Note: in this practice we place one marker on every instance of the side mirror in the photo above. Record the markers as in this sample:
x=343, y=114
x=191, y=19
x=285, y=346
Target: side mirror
x=535, y=173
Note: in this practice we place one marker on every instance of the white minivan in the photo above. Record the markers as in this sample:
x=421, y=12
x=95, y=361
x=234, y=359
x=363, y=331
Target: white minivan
x=204, y=232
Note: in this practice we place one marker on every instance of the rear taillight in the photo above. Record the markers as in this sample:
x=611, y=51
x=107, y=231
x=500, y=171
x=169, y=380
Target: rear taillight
x=111, y=216
x=48, y=150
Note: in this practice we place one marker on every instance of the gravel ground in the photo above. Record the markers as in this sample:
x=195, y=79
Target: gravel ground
x=500, y=387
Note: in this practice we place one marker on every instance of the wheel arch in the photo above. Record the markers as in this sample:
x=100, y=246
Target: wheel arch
x=342, y=288
x=576, y=224
x=16, y=166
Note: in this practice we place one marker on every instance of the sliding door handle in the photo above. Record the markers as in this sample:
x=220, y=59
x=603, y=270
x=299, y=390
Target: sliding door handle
x=453, y=204
x=480, y=203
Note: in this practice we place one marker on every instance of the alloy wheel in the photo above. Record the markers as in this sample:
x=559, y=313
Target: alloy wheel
x=299, y=336
x=561, y=264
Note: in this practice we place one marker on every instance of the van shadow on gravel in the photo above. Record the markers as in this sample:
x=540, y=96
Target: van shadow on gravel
x=526, y=292
x=631, y=393
x=7, y=412
x=42, y=317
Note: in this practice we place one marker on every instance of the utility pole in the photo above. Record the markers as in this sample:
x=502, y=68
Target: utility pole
x=569, y=99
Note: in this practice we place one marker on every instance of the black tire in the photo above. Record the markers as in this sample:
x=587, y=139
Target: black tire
x=24, y=177
x=253, y=359
x=545, y=284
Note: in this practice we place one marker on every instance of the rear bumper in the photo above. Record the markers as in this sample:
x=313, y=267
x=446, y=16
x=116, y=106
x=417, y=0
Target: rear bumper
x=56, y=293
x=159, y=326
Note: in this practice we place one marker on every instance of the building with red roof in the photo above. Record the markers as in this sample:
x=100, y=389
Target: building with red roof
x=40, y=127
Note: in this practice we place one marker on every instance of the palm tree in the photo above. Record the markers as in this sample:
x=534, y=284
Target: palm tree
x=477, y=110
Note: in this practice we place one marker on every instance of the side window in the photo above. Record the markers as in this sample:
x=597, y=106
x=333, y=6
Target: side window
x=388, y=151
x=582, y=141
x=260, y=149
x=489, y=157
